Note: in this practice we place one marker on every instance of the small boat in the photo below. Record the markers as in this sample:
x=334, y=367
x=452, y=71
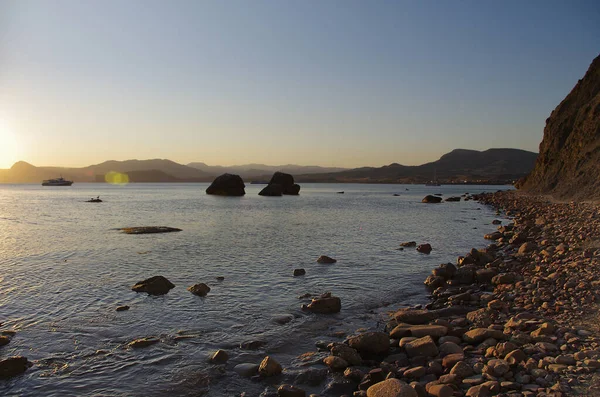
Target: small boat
x=94, y=200
x=57, y=182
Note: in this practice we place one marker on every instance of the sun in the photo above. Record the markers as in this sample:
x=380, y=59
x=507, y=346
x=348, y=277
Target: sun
x=9, y=147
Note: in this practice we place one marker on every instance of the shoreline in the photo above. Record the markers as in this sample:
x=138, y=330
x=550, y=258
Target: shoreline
x=510, y=319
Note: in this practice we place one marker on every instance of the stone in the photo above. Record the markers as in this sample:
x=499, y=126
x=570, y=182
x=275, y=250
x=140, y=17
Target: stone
x=157, y=285
x=347, y=353
x=479, y=391
x=227, y=185
x=415, y=372
x=478, y=335
x=272, y=190
x=462, y=370
x=326, y=304
x=220, y=357
x=335, y=363
x=199, y=289
x=286, y=181
x=290, y=391
x=122, y=308
x=430, y=199
x=435, y=331
x=324, y=259
x=252, y=344
x=149, y=229
x=526, y=247
x=424, y=248
x=440, y=391
x=370, y=343
x=4, y=340
x=424, y=346
x=496, y=368
x=13, y=366
x=409, y=244
x=246, y=370
x=299, y=272
x=448, y=348
x=143, y=342
x=269, y=367
x=391, y=388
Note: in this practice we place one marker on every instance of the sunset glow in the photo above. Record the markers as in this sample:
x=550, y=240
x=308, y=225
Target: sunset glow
x=9, y=147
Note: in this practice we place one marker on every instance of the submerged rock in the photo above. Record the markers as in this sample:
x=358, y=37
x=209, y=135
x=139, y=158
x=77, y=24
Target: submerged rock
x=199, y=289
x=409, y=244
x=149, y=229
x=424, y=248
x=13, y=366
x=122, y=308
x=299, y=272
x=220, y=357
x=269, y=367
x=326, y=260
x=246, y=369
x=4, y=340
x=290, y=391
x=325, y=304
x=430, y=199
x=143, y=342
x=227, y=185
x=157, y=285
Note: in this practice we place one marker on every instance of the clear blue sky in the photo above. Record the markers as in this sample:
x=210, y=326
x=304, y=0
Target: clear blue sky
x=345, y=83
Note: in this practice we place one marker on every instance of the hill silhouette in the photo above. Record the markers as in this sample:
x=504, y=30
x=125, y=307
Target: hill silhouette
x=458, y=166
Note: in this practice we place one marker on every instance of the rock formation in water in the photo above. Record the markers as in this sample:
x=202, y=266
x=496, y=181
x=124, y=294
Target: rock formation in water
x=157, y=285
x=568, y=165
x=227, y=185
x=286, y=181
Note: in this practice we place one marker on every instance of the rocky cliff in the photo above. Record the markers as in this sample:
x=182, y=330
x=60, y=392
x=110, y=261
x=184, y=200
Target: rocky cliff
x=568, y=166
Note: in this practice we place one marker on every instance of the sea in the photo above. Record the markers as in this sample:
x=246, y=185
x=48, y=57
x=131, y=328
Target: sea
x=65, y=267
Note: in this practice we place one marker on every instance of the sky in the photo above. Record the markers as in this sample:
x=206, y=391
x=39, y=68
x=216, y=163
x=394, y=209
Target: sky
x=333, y=83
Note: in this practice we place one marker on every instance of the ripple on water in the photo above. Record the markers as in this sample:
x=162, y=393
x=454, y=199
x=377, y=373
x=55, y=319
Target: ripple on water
x=65, y=268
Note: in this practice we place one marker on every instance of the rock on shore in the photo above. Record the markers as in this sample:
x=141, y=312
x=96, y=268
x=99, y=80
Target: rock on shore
x=504, y=320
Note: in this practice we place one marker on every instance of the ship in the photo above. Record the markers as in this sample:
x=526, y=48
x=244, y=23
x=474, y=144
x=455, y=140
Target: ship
x=57, y=182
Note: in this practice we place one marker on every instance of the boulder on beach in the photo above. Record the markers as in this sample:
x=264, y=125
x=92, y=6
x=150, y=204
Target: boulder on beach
x=271, y=190
x=391, y=388
x=286, y=181
x=431, y=199
x=269, y=367
x=13, y=366
x=453, y=199
x=325, y=304
x=227, y=185
x=200, y=289
x=370, y=343
x=326, y=260
x=157, y=285
x=149, y=229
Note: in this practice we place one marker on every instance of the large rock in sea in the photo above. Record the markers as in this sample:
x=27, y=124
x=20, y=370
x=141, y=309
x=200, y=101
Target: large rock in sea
x=271, y=190
x=157, y=285
x=569, y=161
x=227, y=185
x=286, y=181
x=431, y=199
x=12, y=366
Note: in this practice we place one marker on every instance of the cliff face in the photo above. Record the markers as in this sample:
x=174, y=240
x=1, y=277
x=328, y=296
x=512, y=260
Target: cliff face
x=568, y=166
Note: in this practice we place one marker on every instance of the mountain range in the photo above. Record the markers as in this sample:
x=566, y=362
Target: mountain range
x=458, y=166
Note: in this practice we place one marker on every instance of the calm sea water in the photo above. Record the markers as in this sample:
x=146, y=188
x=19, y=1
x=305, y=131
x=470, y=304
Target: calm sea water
x=64, y=268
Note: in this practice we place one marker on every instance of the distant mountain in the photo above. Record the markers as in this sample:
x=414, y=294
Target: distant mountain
x=569, y=163
x=138, y=171
x=250, y=171
x=458, y=166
